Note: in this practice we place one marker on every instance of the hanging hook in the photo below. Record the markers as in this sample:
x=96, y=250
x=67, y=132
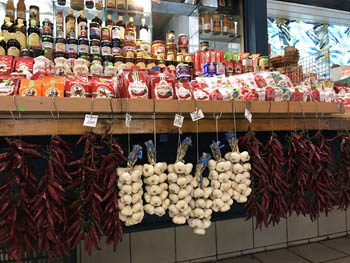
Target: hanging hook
x=16, y=106
x=55, y=108
x=92, y=106
x=269, y=114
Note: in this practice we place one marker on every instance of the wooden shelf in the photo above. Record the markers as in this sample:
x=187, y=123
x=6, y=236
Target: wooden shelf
x=37, y=118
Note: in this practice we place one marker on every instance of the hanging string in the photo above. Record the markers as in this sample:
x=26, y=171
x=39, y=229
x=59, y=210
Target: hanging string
x=154, y=126
x=197, y=124
x=127, y=111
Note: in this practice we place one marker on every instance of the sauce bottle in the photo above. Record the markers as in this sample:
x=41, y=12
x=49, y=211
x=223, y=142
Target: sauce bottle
x=95, y=27
x=10, y=10
x=99, y=4
x=82, y=25
x=33, y=35
x=231, y=27
x=130, y=25
x=111, y=4
x=59, y=24
x=122, y=27
x=21, y=10
x=21, y=34
x=207, y=26
x=2, y=45
x=216, y=23
x=70, y=25
x=89, y=4
x=109, y=22
x=200, y=23
x=225, y=25
x=144, y=33
x=13, y=46
x=7, y=28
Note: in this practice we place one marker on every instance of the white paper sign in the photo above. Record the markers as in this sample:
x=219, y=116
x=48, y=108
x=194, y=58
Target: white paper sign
x=197, y=115
x=90, y=120
x=178, y=121
x=248, y=115
x=128, y=118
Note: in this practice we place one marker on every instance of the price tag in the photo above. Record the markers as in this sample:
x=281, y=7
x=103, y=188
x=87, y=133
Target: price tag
x=128, y=119
x=197, y=115
x=248, y=115
x=90, y=120
x=178, y=121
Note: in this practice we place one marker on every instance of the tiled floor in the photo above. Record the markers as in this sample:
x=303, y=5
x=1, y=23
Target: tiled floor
x=329, y=251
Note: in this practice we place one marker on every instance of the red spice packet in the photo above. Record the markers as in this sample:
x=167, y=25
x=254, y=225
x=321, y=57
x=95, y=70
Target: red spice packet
x=133, y=84
x=183, y=90
x=102, y=88
x=6, y=65
x=199, y=93
x=162, y=86
x=77, y=86
x=24, y=64
x=9, y=87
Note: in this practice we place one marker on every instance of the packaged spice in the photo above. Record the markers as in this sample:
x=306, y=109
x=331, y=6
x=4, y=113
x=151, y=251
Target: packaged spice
x=162, y=86
x=53, y=87
x=30, y=88
x=6, y=65
x=182, y=72
x=77, y=86
x=9, y=87
x=134, y=84
x=102, y=88
x=216, y=23
x=183, y=90
x=24, y=64
x=207, y=24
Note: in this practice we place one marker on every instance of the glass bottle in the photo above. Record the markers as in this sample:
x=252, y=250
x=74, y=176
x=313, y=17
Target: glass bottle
x=62, y=2
x=216, y=23
x=13, y=46
x=10, y=10
x=21, y=10
x=221, y=3
x=2, y=45
x=82, y=25
x=207, y=25
x=200, y=23
x=131, y=6
x=77, y=4
x=21, y=34
x=225, y=25
x=99, y=4
x=33, y=35
x=59, y=24
x=130, y=25
x=229, y=3
x=70, y=25
x=111, y=5
x=109, y=22
x=89, y=4
x=231, y=29
x=121, y=4
x=144, y=33
x=95, y=27
x=122, y=27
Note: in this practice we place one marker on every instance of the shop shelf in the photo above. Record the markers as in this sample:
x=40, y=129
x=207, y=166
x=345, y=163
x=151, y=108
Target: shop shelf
x=219, y=38
x=174, y=8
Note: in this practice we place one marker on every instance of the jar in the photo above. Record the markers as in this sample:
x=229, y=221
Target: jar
x=225, y=25
x=105, y=34
x=205, y=45
x=60, y=45
x=161, y=63
x=59, y=54
x=170, y=37
x=140, y=62
x=150, y=63
x=96, y=59
x=47, y=42
x=179, y=57
x=146, y=47
x=129, y=37
x=107, y=60
x=171, y=65
x=95, y=47
x=158, y=47
x=34, y=14
x=128, y=52
x=216, y=23
x=115, y=33
x=140, y=53
x=207, y=25
x=72, y=56
x=170, y=48
x=72, y=45
x=116, y=48
x=130, y=62
x=182, y=40
x=118, y=60
x=26, y=53
x=83, y=46
x=183, y=49
x=106, y=49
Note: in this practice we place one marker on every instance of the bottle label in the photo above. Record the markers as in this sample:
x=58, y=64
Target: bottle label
x=106, y=34
x=60, y=34
x=21, y=38
x=116, y=32
x=206, y=26
x=106, y=51
x=95, y=32
x=2, y=51
x=144, y=35
x=83, y=48
x=82, y=30
x=21, y=14
x=225, y=29
x=72, y=48
x=47, y=45
x=70, y=29
x=60, y=47
x=95, y=50
x=33, y=40
x=116, y=51
x=130, y=37
x=47, y=29
x=13, y=51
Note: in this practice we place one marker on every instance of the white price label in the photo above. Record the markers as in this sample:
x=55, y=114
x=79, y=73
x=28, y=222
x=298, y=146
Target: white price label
x=178, y=121
x=248, y=115
x=197, y=115
x=128, y=119
x=90, y=120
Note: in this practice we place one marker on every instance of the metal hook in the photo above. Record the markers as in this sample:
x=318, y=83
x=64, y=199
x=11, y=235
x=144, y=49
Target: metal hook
x=16, y=106
x=55, y=107
x=92, y=106
x=195, y=106
x=215, y=115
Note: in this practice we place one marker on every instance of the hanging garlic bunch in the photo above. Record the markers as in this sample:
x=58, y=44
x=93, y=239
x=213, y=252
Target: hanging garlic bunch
x=130, y=189
x=240, y=170
x=156, y=195
x=180, y=188
x=201, y=204
x=220, y=173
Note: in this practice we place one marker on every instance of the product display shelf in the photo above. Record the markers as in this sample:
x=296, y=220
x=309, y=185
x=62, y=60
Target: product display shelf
x=25, y=116
x=219, y=38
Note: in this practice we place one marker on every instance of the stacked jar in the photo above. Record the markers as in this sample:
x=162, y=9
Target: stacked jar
x=170, y=50
x=182, y=43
